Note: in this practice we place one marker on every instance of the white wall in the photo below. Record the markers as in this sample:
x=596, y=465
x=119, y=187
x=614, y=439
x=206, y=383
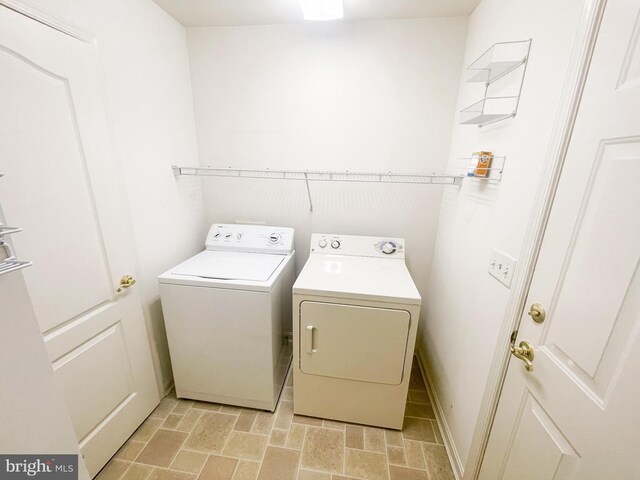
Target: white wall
x=143, y=57
x=33, y=418
x=464, y=305
x=358, y=96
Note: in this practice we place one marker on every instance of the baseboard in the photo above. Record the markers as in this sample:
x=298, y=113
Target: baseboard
x=449, y=445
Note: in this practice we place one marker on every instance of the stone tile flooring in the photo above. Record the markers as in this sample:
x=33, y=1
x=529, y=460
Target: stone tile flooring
x=187, y=440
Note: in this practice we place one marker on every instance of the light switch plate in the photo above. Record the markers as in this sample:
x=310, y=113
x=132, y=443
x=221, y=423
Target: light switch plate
x=502, y=267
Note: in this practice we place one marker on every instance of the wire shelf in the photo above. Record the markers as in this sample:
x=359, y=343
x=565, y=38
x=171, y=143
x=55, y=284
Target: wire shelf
x=323, y=176
x=6, y=230
x=492, y=174
x=11, y=265
x=497, y=62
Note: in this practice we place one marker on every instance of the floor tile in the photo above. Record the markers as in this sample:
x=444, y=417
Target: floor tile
x=232, y=409
x=263, y=423
x=246, y=470
x=333, y=424
x=164, y=409
x=308, y=475
x=279, y=464
x=284, y=415
x=114, y=470
x=374, y=439
x=323, y=450
x=437, y=462
x=218, y=468
x=245, y=445
x=393, y=438
x=418, y=396
x=287, y=394
x=182, y=407
x=189, y=420
x=316, y=422
x=172, y=421
x=162, y=447
x=163, y=474
x=396, y=456
x=188, y=461
x=413, y=450
x=403, y=473
x=296, y=436
x=210, y=432
x=146, y=430
x=137, y=471
x=436, y=430
x=369, y=465
x=130, y=450
x=421, y=410
x=212, y=407
x=354, y=437
x=418, y=429
x=278, y=437
x=245, y=421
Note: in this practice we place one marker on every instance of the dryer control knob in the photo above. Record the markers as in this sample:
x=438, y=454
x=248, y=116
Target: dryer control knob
x=388, y=248
x=322, y=243
x=274, y=238
x=335, y=244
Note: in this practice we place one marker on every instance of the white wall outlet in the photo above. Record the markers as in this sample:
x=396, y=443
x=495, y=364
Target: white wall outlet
x=501, y=267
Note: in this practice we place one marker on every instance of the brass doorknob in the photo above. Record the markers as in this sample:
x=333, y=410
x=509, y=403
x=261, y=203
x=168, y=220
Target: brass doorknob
x=125, y=282
x=524, y=352
x=536, y=312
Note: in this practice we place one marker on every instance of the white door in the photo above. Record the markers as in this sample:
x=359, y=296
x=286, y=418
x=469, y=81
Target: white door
x=576, y=415
x=62, y=185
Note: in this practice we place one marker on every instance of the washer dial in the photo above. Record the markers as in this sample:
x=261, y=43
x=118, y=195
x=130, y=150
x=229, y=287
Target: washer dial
x=274, y=238
x=335, y=244
x=388, y=248
x=322, y=243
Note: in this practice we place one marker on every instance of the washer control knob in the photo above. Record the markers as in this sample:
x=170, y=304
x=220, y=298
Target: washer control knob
x=239, y=236
x=388, y=248
x=228, y=235
x=335, y=244
x=217, y=235
x=274, y=238
x=322, y=243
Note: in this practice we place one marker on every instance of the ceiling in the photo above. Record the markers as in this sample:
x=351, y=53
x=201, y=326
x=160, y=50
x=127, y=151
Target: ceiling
x=202, y=13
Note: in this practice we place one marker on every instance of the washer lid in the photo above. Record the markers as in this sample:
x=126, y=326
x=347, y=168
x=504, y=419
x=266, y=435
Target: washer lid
x=230, y=266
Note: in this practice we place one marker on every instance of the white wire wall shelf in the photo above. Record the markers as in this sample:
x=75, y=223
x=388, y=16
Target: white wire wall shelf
x=11, y=265
x=8, y=261
x=492, y=174
x=498, y=61
x=322, y=176
x=6, y=230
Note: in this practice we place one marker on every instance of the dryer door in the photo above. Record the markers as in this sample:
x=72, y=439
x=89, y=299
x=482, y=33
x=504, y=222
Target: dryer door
x=353, y=342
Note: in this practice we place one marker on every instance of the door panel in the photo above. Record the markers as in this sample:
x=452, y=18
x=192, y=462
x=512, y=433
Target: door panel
x=534, y=427
x=75, y=256
x=63, y=185
x=353, y=342
x=581, y=394
x=91, y=398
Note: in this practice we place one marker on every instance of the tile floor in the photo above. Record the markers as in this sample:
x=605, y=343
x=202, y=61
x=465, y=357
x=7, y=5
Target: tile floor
x=186, y=440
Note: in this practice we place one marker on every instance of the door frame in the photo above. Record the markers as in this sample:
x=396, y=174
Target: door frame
x=581, y=54
x=45, y=17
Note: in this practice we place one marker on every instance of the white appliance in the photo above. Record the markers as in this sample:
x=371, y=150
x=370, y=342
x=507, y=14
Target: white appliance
x=355, y=319
x=227, y=313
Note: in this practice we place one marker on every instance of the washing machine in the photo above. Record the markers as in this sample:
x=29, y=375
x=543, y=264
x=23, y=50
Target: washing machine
x=227, y=313
x=355, y=319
